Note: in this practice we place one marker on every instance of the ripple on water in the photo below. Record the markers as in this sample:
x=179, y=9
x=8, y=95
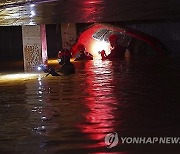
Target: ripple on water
x=77, y=111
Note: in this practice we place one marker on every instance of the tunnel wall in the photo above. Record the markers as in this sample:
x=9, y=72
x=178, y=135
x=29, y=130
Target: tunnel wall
x=11, y=43
x=54, y=42
x=11, y=37
x=167, y=31
x=11, y=46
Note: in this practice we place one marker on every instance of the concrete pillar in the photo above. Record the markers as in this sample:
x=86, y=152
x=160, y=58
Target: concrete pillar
x=68, y=34
x=34, y=47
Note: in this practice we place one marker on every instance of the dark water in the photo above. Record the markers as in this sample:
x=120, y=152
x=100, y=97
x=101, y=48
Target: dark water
x=72, y=114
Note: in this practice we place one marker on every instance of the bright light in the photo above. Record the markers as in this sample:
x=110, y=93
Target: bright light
x=52, y=61
x=99, y=46
x=55, y=61
x=39, y=68
x=32, y=23
x=32, y=5
x=32, y=13
x=20, y=76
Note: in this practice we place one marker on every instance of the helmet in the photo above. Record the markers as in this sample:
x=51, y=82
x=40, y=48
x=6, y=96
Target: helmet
x=81, y=47
x=113, y=38
x=64, y=56
x=64, y=52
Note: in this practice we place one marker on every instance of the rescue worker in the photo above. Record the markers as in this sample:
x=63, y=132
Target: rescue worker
x=83, y=55
x=66, y=66
x=63, y=52
x=117, y=51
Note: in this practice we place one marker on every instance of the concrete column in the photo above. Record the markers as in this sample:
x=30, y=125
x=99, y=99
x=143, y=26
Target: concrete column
x=34, y=47
x=68, y=34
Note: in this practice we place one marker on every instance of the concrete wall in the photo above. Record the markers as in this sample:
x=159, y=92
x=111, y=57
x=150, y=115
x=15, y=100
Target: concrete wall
x=34, y=46
x=68, y=35
x=11, y=37
x=11, y=45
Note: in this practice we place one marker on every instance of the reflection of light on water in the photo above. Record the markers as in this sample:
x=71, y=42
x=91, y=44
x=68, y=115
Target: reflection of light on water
x=19, y=76
x=52, y=61
x=101, y=103
x=55, y=61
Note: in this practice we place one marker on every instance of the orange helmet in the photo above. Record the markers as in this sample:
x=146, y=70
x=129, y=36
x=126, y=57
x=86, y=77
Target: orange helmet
x=64, y=52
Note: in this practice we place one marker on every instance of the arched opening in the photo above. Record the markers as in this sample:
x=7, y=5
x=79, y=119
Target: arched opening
x=95, y=39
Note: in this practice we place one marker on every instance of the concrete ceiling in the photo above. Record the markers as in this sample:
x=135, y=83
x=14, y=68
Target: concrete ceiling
x=30, y=12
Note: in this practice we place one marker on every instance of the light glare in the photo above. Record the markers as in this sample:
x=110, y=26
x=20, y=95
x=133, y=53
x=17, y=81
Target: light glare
x=32, y=13
x=99, y=46
x=18, y=76
x=32, y=5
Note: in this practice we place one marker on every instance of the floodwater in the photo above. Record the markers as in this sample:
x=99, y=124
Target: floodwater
x=136, y=97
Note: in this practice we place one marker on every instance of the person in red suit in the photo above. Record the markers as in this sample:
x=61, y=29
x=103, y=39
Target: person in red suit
x=83, y=55
x=118, y=51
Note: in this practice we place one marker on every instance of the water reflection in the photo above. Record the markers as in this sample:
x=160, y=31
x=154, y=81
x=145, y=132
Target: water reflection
x=72, y=114
x=100, y=101
x=17, y=76
x=36, y=100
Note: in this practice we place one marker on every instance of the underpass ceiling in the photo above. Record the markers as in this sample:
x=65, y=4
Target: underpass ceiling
x=30, y=12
